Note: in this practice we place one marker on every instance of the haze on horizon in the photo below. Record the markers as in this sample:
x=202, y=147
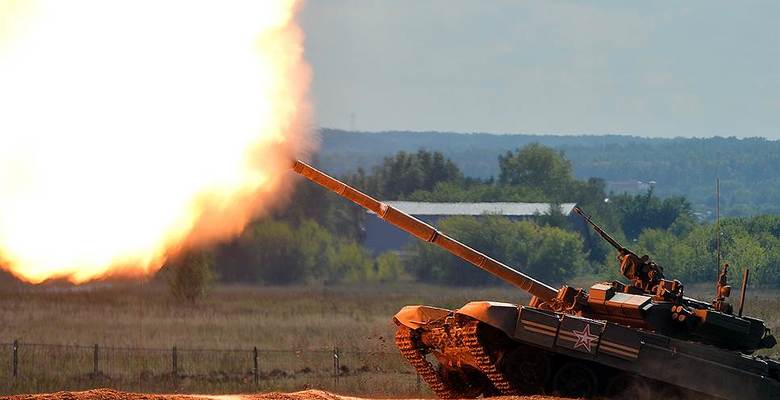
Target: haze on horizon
x=656, y=69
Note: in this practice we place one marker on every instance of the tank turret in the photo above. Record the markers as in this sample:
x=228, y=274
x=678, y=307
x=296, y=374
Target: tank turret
x=669, y=312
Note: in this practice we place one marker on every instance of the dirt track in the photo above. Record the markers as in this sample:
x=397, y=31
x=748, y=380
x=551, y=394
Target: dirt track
x=109, y=394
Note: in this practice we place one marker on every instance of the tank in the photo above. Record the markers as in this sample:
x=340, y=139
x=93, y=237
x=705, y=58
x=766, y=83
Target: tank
x=641, y=339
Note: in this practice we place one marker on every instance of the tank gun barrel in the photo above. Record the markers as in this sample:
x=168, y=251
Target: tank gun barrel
x=427, y=233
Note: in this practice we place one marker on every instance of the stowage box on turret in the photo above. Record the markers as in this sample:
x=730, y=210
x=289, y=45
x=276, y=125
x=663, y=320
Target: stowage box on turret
x=632, y=340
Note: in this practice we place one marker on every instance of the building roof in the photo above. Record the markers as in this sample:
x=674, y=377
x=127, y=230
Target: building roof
x=510, y=209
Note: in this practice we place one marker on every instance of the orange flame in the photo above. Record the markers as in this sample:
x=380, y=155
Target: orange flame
x=131, y=129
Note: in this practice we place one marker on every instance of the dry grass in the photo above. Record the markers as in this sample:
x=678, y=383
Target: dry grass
x=310, y=320
x=306, y=323
x=352, y=318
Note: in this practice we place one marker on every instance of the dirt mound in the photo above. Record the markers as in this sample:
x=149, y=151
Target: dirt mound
x=110, y=394
x=95, y=394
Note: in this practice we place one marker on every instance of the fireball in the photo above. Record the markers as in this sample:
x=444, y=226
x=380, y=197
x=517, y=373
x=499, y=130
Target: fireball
x=130, y=130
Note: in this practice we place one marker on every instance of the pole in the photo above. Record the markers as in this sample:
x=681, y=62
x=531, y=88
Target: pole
x=175, y=367
x=256, y=372
x=745, y=277
x=336, y=365
x=95, y=368
x=16, y=358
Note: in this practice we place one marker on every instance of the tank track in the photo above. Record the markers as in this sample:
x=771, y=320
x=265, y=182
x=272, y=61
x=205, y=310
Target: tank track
x=412, y=352
x=468, y=336
x=485, y=361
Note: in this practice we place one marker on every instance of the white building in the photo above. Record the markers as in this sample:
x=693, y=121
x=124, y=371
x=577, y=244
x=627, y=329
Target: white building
x=381, y=236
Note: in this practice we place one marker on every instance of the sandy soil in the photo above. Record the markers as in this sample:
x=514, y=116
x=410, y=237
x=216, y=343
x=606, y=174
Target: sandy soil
x=109, y=394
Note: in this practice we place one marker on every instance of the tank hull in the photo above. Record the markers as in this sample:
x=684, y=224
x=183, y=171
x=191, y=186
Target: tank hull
x=509, y=349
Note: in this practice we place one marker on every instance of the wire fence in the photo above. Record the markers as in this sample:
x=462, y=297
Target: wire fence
x=36, y=367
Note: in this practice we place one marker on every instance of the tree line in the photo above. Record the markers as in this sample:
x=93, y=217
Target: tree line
x=317, y=237
x=680, y=166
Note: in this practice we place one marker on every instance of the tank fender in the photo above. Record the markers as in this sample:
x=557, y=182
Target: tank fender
x=499, y=315
x=414, y=317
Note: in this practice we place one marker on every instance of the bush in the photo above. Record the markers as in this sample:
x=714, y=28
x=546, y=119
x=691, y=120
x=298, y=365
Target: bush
x=190, y=276
x=274, y=253
x=389, y=267
x=315, y=249
x=351, y=264
x=280, y=253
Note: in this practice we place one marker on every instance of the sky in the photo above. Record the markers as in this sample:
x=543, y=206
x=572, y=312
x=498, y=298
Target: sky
x=656, y=69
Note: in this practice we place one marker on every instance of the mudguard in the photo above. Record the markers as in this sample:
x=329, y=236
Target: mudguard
x=414, y=317
x=499, y=315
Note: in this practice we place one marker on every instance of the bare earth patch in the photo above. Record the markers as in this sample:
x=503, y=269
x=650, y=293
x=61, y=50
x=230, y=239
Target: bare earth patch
x=110, y=394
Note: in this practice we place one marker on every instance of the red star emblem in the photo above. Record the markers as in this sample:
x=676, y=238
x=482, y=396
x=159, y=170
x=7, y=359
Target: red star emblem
x=584, y=338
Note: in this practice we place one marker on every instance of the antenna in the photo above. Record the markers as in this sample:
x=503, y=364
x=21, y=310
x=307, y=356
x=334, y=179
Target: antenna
x=717, y=226
x=745, y=277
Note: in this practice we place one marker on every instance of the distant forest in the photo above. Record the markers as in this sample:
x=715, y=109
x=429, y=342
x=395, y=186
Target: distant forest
x=748, y=168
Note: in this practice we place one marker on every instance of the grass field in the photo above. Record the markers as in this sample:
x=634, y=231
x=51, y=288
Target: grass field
x=294, y=328
x=352, y=318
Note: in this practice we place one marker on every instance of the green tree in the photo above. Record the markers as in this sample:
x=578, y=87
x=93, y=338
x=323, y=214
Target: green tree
x=646, y=211
x=556, y=255
x=405, y=173
x=691, y=258
x=547, y=253
x=662, y=247
x=538, y=167
x=746, y=251
x=769, y=273
x=763, y=224
x=316, y=249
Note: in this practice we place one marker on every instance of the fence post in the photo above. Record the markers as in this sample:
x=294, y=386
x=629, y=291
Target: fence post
x=256, y=372
x=95, y=367
x=174, y=362
x=336, y=365
x=16, y=358
x=175, y=367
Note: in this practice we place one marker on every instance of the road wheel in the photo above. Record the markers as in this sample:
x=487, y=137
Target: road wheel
x=629, y=387
x=527, y=368
x=575, y=379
